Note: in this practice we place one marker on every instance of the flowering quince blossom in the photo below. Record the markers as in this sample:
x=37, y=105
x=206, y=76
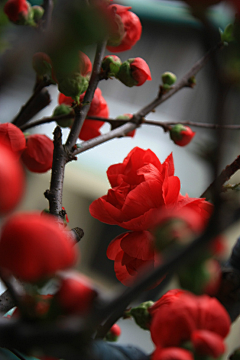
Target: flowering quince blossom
x=38, y=155
x=12, y=180
x=180, y=316
x=12, y=137
x=181, y=135
x=134, y=72
x=132, y=28
x=98, y=107
x=14, y=9
x=41, y=247
x=141, y=188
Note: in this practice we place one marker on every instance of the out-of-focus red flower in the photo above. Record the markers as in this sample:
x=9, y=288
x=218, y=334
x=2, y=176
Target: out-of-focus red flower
x=15, y=9
x=34, y=247
x=38, y=155
x=98, y=107
x=141, y=187
x=131, y=251
x=76, y=294
x=132, y=28
x=175, y=320
x=12, y=137
x=181, y=135
x=140, y=71
x=85, y=65
x=11, y=180
x=208, y=343
x=172, y=353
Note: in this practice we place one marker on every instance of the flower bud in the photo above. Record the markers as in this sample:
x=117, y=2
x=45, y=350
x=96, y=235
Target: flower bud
x=38, y=155
x=42, y=64
x=141, y=314
x=73, y=85
x=111, y=65
x=168, y=78
x=11, y=180
x=41, y=247
x=38, y=12
x=12, y=137
x=64, y=110
x=16, y=10
x=114, y=333
x=76, y=294
x=134, y=72
x=181, y=135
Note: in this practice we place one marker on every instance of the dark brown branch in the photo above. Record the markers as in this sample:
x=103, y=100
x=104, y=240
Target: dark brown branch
x=60, y=158
x=223, y=177
x=47, y=16
x=45, y=120
x=81, y=115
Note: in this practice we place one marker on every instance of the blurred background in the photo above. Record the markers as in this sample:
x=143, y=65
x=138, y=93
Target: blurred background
x=172, y=40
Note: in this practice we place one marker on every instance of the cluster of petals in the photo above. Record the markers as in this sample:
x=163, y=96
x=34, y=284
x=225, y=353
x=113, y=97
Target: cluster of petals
x=40, y=246
x=142, y=188
x=12, y=178
x=98, y=107
x=12, y=137
x=38, y=154
x=15, y=8
x=180, y=316
x=132, y=27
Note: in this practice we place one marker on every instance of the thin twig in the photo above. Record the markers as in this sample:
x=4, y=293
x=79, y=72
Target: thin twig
x=81, y=115
x=45, y=120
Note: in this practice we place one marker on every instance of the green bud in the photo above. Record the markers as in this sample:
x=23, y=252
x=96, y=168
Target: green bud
x=38, y=12
x=125, y=76
x=73, y=85
x=141, y=314
x=111, y=64
x=168, y=78
x=227, y=34
x=64, y=109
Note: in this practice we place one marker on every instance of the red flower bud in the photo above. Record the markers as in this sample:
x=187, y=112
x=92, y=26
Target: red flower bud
x=11, y=180
x=134, y=72
x=114, y=333
x=34, y=247
x=76, y=294
x=172, y=353
x=15, y=9
x=85, y=65
x=38, y=155
x=208, y=343
x=140, y=71
x=132, y=28
x=12, y=137
x=181, y=135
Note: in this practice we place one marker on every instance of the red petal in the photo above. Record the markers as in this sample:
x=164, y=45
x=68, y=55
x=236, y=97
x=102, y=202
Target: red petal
x=138, y=244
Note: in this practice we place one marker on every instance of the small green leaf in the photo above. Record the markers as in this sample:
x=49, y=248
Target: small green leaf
x=227, y=34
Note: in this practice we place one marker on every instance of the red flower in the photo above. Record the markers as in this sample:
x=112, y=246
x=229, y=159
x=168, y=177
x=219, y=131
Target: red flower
x=172, y=353
x=14, y=9
x=140, y=71
x=131, y=251
x=116, y=330
x=76, y=294
x=132, y=28
x=11, y=180
x=38, y=155
x=98, y=107
x=208, y=343
x=12, y=137
x=175, y=320
x=40, y=246
x=181, y=135
x=141, y=187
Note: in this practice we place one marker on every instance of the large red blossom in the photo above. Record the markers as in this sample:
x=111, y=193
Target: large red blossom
x=132, y=28
x=141, y=187
x=171, y=353
x=178, y=315
x=38, y=155
x=15, y=8
x=40, y=246
x=12, y=137
x=11, y=180
x=98, y=107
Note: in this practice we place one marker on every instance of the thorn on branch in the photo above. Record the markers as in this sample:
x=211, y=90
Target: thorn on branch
x=78, y=233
